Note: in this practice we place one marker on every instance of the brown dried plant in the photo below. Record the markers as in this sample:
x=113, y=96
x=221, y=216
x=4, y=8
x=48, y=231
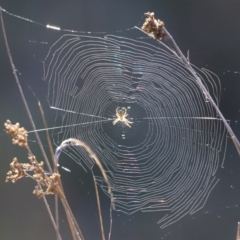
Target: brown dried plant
x=153, y=26
x=46, y=184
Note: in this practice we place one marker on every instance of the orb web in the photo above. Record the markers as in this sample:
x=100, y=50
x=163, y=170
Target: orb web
x=167, y=160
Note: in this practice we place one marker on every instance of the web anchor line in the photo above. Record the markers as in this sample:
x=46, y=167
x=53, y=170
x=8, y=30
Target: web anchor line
x=66, y=126
x=204, y=118
x=85, y=114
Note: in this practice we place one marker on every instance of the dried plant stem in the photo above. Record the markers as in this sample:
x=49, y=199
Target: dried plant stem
x=46, y=184
x=75, y=230
x=52, y=219
x=153, y=27
x=77, y=142
x=21, y=92
x=40, y=145
x=53, y=162
x=20, y=170
x=74, y=226
x=99, y=208
x=73, y=141
x=48, y=137
x=205, y=91
x=29, y=116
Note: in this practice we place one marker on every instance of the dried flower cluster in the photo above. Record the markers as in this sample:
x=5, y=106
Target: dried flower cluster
x=51, y=183
x=19, y=135
x=153, y=26
x=18, y=170
x=46, y=183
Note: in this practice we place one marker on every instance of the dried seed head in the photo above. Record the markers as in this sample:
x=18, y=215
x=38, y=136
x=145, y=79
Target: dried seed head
x=153, y=26
x=17, y=171
x=19, y=135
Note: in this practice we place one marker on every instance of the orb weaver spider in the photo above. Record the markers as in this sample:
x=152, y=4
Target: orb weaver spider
x=121, y=114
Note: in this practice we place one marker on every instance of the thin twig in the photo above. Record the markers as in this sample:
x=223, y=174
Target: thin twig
x=21, y=92
x=52, y=219
x=149, y=27
x=99, y=208
x=205, y=91
x=75, y=230
x=76, y=142
x=53, y=162
x=29, y=116
x=78, y=232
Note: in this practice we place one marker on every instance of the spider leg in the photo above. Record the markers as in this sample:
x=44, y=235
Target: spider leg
x=115, y=121
x=129, y=121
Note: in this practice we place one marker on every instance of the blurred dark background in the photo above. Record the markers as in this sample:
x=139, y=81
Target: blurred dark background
x=209, y=29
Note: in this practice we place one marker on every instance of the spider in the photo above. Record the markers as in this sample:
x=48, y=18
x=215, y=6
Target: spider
x=121, y=114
